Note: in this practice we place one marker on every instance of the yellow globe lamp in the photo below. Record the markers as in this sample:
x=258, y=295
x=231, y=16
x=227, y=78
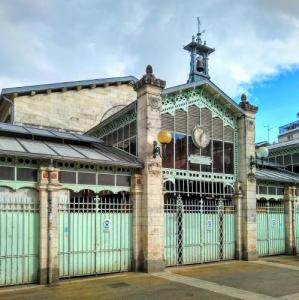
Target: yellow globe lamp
x=164, y=137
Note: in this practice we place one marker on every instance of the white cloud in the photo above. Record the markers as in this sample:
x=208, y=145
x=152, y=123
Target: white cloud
x=81, y=39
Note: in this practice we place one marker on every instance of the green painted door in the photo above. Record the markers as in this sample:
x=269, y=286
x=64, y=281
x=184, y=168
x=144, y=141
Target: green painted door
x=19, y=238
x=95, y=235
x=270, y=228
x=198, y=231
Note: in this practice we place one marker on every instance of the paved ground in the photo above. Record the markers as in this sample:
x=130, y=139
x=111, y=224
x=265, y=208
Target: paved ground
x=269, y=278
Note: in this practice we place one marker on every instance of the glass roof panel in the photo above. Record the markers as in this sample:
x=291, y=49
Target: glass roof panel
x=65, y=150
x=10, y=144
x=12, y=128
x=89, y=153
x=36, y=147
x=65, y=135
x=39, y=131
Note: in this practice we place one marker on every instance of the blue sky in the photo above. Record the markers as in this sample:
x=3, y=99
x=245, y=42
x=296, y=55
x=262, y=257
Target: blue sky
x=257, y=48
x=278, y=102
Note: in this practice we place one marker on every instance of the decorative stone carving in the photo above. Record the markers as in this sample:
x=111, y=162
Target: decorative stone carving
x=154, y=168
x=155, y=103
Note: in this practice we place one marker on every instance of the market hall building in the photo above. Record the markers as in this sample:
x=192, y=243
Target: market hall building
x=120, y=174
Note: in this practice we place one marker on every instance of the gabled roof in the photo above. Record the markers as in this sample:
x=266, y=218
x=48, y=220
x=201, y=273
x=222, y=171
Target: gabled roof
x=211, y=87
x=52, y=144
x=68, y=85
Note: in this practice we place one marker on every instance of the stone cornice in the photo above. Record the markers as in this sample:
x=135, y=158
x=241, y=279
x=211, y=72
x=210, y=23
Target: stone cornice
x=149, y=79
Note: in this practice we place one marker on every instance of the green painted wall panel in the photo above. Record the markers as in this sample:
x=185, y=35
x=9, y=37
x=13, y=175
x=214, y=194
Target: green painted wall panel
x=19, y=246
x=202, y=236
x=270, y=232
x=170, y=238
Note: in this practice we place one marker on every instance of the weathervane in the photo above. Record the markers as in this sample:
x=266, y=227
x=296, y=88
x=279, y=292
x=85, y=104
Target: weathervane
x=199, y=33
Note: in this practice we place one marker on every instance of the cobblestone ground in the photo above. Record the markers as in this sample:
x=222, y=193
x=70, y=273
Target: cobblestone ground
x=268, y=278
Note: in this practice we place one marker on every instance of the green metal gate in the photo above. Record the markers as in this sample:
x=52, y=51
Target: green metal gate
x=198, y=231
x=95, y=235
x=19, y=238
x=270, y=228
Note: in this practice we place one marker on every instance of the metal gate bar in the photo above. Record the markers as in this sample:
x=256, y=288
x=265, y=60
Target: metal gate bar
x=95, y=235
x=198, y=230
x=19, y=239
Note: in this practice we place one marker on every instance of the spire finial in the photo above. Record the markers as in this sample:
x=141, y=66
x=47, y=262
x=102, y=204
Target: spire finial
x=199, y=33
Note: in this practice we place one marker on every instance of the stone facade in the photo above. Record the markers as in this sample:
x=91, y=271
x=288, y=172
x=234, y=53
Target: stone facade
x=75, y=110
x=247, y=184
x=150, y=215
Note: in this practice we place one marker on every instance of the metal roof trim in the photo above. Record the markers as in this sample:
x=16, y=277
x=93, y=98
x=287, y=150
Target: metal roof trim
x=69, y=84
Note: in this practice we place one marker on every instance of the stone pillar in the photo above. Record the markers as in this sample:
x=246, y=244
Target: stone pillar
x=289, y=199
x=237, y=200
x=149, y=104
x=53, y=190
x=43, y=225
x=246, y=146
x=136, y=196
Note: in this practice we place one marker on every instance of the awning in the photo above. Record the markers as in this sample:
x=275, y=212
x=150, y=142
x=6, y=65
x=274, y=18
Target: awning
x=277, y=175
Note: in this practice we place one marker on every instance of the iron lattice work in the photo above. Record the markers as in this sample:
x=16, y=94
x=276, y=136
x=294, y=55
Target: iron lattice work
x=198, y=230
x=95, y=235
x=180, y=113
x=199, y=188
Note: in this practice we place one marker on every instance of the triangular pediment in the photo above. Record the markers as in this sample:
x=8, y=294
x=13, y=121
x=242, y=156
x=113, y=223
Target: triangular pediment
x=206, y=92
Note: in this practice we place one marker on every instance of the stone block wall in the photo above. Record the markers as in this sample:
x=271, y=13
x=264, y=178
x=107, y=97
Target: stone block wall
x=75, y=110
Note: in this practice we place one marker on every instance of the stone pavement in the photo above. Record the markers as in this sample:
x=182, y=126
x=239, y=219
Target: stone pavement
x=269, y=278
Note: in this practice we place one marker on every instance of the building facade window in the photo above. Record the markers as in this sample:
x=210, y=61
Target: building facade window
x=183, y=154
x=124, y=138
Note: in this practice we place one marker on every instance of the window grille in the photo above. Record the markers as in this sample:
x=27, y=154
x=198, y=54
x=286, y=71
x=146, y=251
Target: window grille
x=228, y=134
x=67, y=177
x=193, y=117
x=168, y=122
x=86, y=178
x=206, y=120
x=26, y=174
x=181, y=121
x=263, y=190
x=106, y=179
x=217, y=129
x=7, y=173
x=123, y=180
x=296, y=158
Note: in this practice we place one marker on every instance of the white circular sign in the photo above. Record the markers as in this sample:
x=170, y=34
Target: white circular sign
x=199, y=138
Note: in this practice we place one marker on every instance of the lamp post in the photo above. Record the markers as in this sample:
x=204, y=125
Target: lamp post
x=260, y=153
x=164, y=138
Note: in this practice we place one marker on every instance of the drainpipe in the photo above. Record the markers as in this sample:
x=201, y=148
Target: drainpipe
x=12, y=107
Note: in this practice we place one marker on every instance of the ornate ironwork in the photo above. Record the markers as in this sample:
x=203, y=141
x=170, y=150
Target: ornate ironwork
x=123, y=120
